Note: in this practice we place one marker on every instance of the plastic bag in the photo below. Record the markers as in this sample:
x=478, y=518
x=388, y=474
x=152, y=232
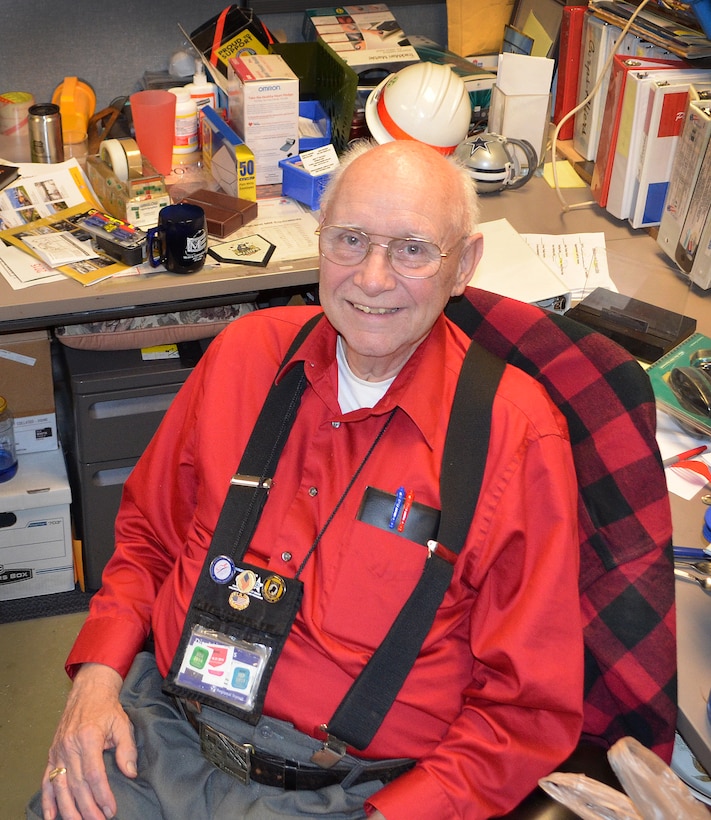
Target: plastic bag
x=653, y=791
x=589, y=798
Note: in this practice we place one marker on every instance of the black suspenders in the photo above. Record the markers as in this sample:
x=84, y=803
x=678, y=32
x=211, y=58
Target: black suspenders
x=364, y=707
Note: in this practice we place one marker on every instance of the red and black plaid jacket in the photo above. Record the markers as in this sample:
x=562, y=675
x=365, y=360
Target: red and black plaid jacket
x=626, y=571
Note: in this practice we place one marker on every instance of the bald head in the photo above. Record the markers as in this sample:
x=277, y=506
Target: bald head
x=414, y=168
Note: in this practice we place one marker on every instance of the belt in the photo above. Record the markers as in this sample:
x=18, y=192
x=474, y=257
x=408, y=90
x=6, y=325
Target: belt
x=244, y=762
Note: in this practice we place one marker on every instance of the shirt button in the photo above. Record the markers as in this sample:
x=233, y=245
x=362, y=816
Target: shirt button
x=335, y=424
x=286, y=556
x=313, y=491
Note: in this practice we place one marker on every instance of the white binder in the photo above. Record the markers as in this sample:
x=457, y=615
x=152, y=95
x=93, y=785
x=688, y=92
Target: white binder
x=662, y=129
x=636, y=104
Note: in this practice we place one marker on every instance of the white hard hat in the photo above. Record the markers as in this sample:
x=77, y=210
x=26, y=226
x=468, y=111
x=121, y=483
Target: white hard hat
x=426, y=102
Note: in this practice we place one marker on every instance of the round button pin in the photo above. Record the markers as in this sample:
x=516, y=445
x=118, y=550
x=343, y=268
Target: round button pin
x=222, y=569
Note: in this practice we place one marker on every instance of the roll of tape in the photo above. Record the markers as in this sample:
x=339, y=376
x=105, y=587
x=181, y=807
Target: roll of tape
x=133, y=157
x=112, y=153
x=123, y=156
x=14, y=108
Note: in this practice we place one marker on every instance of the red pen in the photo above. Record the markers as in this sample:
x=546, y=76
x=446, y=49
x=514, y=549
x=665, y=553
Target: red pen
x=669, y=462
x=406, y=507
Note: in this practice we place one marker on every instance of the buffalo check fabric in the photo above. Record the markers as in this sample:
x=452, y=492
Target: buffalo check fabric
x=626, y=570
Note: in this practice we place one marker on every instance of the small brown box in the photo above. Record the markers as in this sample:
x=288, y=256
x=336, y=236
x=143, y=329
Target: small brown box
x=224, y=214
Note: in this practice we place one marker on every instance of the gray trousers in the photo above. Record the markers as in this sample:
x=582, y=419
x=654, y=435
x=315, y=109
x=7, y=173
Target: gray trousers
x=175, y=781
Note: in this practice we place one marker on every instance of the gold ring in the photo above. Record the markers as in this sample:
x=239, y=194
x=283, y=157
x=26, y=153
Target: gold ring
x=56, y=772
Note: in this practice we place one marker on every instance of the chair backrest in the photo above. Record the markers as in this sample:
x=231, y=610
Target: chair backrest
x=626, y=570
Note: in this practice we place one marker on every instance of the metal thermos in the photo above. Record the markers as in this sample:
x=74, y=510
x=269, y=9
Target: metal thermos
x=45, y=128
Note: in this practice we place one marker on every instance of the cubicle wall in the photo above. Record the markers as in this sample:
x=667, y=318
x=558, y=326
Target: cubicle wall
x=110, y=45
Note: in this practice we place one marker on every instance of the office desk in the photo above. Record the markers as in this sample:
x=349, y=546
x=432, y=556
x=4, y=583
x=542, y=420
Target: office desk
x=68, y=301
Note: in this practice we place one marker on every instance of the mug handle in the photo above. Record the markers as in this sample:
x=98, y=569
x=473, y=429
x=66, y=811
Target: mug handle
x=531, y=157
x=155, y=238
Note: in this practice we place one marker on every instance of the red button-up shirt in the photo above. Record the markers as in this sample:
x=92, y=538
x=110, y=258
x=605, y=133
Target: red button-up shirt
x=494, y=699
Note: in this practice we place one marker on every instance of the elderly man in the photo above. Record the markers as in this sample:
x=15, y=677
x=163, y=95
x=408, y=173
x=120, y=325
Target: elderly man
x=487, y=707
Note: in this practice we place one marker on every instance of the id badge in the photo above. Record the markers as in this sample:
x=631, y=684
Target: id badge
x=235, y=630
x=223, y=666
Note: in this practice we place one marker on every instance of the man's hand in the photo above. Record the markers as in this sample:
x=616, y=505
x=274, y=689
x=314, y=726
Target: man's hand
x=75, y=782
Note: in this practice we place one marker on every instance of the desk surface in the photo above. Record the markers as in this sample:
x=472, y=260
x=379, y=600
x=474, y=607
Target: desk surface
x=68, y=301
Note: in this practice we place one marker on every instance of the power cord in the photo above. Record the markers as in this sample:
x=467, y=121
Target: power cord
x=593, y=91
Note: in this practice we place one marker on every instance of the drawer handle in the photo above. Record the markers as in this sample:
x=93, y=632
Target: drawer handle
x=129, y=407
x=112, y=477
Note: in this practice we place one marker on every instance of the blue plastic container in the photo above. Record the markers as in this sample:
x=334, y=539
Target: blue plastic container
x=313, y=110
x=299, y=184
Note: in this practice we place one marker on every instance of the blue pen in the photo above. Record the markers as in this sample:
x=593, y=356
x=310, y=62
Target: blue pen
x=397, y=506
x=690, y=552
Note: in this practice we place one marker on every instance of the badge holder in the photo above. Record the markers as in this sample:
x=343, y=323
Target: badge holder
x=240, y=618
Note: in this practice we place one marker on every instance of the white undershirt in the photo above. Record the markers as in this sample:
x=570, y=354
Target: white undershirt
x=354, y=393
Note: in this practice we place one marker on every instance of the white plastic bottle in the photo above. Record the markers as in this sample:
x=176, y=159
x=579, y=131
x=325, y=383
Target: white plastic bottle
x=202, y=93
x=200, y=90
x=186, y=122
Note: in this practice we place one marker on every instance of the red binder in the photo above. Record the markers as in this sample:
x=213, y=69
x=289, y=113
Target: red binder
x=571, y=38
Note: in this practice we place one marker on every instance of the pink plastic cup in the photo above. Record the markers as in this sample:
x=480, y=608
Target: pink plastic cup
x=154, y=122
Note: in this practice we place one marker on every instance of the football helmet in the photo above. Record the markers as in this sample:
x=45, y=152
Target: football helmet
x=493, y=162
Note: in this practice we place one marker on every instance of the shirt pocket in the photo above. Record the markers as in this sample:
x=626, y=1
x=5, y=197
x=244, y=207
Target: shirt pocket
x=369, y=577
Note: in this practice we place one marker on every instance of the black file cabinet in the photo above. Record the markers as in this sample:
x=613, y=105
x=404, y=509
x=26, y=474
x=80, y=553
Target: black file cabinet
x=109, y=405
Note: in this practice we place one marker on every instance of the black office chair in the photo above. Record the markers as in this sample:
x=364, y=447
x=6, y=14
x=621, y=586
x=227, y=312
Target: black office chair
x=626, y=571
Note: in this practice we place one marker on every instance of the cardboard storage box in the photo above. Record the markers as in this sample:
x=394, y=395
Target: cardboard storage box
x=26, y=383
x=226, y=157
x=264, y=111
x=35, y=529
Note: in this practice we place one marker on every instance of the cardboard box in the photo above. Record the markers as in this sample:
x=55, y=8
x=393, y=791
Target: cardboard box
x=366, y=37
x=226, y=157
x=264, y=111
x=26, y=382
x=137, y=201
x=36, y=536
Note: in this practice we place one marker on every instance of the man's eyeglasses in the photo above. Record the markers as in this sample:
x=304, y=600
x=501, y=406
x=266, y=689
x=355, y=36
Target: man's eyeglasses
x=411, y=258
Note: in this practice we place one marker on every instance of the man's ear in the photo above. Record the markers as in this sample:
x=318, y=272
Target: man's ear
x=469, y=258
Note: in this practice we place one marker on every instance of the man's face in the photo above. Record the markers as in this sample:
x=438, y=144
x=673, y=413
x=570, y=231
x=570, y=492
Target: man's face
x=381, y=315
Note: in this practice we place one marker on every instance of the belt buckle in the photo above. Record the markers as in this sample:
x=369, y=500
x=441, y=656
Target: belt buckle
x=232, y=758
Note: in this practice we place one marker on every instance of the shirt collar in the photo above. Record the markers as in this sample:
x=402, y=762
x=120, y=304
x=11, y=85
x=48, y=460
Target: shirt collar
x=424, y=374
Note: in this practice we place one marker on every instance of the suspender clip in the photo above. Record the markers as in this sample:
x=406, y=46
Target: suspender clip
x=254, y=482
x=332, y=751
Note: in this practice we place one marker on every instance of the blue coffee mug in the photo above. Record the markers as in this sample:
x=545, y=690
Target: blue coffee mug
x=179, y=241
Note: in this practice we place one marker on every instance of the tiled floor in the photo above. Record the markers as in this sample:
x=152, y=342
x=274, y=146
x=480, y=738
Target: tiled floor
x=33, y=688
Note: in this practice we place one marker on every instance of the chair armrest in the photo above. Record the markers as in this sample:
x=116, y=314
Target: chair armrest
x=588, y=759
